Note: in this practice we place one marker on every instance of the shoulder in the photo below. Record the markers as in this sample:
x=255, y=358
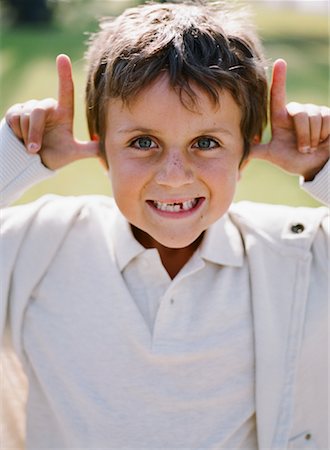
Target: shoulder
x=65, y=212
x=53, y=213
x=76, y=202
x=38, y=229
x=279, y=222
x=55, y=204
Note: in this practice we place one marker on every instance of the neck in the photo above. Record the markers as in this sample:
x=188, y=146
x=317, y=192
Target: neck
x=173, y=259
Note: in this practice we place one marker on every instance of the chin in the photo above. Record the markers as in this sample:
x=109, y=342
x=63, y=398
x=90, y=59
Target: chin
x=178, y=242
x=169, y=239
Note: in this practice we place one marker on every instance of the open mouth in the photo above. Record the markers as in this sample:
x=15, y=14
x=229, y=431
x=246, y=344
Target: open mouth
x=176, y=207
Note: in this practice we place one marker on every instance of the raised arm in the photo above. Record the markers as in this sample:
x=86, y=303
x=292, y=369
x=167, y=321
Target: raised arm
x=300, y=133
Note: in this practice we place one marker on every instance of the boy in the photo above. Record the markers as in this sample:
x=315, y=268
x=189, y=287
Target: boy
x=169, y=319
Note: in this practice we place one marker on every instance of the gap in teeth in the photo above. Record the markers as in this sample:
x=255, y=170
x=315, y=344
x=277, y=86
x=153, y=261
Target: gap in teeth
x=176, y=207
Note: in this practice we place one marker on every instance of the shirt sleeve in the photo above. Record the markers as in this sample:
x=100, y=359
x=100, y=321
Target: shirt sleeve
x=319, y=186
x=19, y=169
x=30, y=236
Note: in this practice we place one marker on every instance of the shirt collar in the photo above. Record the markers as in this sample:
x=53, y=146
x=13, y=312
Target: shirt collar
x=126, y=247
x=222, y=243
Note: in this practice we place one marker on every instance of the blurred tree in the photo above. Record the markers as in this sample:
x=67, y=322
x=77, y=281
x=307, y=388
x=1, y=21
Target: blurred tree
x=31, y=12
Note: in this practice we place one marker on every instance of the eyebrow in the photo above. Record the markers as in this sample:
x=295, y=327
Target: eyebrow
x=216, y=130
x=150, y=131
x=135, y=130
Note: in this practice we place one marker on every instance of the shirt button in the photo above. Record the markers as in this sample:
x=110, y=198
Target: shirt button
x=308, y=436
x=297, y=228
x=172, y=301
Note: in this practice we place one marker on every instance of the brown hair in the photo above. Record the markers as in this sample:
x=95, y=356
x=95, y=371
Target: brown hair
x=205, y=43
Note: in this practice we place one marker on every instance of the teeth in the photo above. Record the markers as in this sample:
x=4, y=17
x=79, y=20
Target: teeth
x=189, y=204
x=176, y=207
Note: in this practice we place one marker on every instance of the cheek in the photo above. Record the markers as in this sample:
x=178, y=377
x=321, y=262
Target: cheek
x=221, y=172
x=127, y=178
x=118, y=168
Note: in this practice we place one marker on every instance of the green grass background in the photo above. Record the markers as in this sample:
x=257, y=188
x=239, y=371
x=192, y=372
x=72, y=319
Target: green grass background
x=27, y=70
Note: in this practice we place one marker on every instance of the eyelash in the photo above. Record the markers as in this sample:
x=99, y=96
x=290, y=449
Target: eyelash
x=215, y=144
x=134, y=143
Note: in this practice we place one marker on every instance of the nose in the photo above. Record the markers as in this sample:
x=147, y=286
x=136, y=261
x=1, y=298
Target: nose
x=175, y=171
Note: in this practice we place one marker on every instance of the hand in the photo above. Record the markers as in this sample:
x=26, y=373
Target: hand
x=300, y=133
x=46, y=126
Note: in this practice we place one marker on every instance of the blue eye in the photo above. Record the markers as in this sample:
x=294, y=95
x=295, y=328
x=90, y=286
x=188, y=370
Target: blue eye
x=205, y=143
x=143, y=143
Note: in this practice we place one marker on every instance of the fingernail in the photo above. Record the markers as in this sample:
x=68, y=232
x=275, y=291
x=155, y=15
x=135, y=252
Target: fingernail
x=33, y=147
x=305, y=149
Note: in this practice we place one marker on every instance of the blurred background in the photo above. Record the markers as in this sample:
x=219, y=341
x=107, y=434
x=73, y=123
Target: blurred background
x=34, y=32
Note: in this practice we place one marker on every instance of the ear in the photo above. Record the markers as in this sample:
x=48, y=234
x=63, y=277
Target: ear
x=102, y=158
x=104, y=162
x=256, y=140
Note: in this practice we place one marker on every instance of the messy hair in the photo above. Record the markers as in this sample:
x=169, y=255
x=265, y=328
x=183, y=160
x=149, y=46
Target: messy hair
x=197, y=42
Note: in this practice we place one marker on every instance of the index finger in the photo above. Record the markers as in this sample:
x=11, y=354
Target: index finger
x=278, y=88
x=65, y=85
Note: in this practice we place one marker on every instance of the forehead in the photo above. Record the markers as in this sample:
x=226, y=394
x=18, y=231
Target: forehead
x=159, y=102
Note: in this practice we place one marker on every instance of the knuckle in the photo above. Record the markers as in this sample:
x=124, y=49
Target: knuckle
x=12, y=117
x=15, y=107
x=13, y=113
x=50, y=100
x=295, y=108
x=326, y=119
x=315, y=118
x=25, y=117
x=48, y=103
x=313, y=110
x=30, y=104
x=300, y=115
x=38, y=111
x=326, y=123
x=27, y=107
x=14, y=123
x=293, y=105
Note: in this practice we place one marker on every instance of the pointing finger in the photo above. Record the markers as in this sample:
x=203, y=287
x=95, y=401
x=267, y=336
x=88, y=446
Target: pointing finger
x=278, y=89
x=66, y=87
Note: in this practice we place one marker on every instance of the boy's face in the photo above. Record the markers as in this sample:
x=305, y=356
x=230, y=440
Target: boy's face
x=173, y=170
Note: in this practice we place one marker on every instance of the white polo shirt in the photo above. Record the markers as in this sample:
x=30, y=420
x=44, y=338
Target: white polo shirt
x=200, y=324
